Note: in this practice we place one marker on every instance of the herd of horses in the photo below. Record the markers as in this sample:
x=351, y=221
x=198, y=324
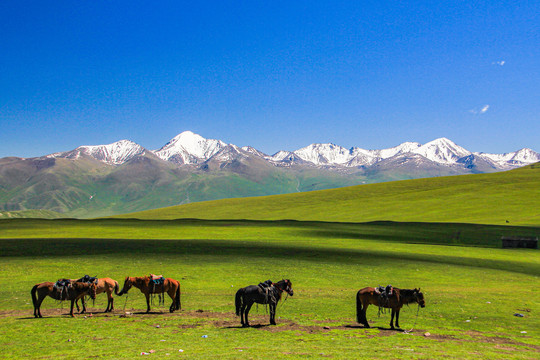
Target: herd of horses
x=269, y=294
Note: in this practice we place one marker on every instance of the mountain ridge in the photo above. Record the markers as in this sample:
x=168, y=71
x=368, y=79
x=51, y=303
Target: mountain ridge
x=123, y=177
x=188, y=148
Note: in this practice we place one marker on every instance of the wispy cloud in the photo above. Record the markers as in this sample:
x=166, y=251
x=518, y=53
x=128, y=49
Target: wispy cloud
x=500, y=63
x=480, y=111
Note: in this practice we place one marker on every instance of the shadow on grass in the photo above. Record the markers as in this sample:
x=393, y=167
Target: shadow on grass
x=65, y=248
x=256, y=326
x=389, y=232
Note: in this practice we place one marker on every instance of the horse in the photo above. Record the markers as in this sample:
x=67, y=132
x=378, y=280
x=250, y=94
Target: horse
x=245, y=297
x=75, y=291
x=400, y=297
x=147, y=287
x=107, y=285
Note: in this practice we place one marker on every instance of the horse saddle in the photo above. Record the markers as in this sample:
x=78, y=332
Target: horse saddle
x=88, y=279
x=385, y=291
x=61, y=286
x=157, y=279
x=62, y=283
x=266, y=284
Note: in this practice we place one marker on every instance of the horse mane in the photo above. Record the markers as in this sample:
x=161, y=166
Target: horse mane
x=407, y=295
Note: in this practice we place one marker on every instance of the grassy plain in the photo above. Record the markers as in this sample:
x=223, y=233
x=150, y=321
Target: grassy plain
x=472, y=287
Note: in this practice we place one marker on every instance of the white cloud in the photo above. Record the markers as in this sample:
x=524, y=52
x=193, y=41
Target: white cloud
x=500, y=63
x=480, y=111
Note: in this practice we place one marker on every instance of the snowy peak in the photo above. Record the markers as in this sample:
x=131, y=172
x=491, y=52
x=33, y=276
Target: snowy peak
x=189, y=148
x=113, y=154
x=513, y=159
x=442, y=151
x=324, y=154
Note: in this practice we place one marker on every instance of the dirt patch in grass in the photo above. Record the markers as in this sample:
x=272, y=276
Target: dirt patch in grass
x=260, y=321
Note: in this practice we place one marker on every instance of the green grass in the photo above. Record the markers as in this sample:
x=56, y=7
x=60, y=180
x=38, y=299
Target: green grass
x=510, y=197
x=444, y=237
x=327, y=262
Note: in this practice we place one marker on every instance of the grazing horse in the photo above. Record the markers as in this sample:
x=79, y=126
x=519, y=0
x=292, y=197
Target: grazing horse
x=107, y=285
x=400, y=297
x=245, y=297
x=147, y=287
x=76, y=290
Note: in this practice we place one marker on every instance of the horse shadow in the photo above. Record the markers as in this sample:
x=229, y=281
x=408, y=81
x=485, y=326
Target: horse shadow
x=257, y=326
x=149, y=313
x=373, y=327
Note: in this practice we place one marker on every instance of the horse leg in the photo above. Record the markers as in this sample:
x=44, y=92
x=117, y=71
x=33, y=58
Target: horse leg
x=397, y=318
x=246, y=313
x=147, y=302
x=272, y=313
x=71, y=310
x=392, y=319
x=364, y=315
x=172, y=294
x=37, y=306
x=83, y=305
x=242, y=313
x=110, y=304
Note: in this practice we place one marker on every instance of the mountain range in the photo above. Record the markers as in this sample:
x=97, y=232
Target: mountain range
x=189, y=148
x=123, y=176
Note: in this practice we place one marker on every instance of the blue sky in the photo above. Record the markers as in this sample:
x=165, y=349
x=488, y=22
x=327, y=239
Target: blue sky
x=271, y=74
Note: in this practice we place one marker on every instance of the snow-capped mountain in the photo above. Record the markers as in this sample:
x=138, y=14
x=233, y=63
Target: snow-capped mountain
x=442, y=151
x=189, y=148
x=116, y=153
x=511, y=160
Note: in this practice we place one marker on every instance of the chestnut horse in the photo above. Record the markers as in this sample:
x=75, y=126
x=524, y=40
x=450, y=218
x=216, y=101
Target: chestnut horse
x=147, y=287
x=245, y=297
x=75, y=291
x=107, y=285
x=400, y=297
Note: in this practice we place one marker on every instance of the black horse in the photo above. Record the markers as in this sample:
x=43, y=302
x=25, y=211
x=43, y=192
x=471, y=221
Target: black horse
x=264, y=293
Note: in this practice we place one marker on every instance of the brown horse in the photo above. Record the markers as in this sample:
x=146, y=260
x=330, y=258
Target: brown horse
x=107, y=285
x=76, y=290
x=400, y=297
x=147, y=287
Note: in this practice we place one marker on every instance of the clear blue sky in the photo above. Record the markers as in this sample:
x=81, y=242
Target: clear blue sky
x=271, y=74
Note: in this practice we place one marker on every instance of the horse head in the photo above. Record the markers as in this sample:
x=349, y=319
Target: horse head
x=128, y=283
x=285, y=285
x=419, y=297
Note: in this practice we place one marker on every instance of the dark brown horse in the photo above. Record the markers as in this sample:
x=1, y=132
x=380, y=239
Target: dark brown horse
x=400, y=297
x=75, y=291
x=245, y=297
x=103, y=285
x=147, y=287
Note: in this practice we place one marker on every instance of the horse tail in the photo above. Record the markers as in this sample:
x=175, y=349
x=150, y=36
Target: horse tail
x=360, y=317
x=238, y=301
x=34, y=298
x=177, y=303
x=116, y=287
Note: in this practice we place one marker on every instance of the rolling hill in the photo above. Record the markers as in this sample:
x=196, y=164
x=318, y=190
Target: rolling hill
x=510, y=197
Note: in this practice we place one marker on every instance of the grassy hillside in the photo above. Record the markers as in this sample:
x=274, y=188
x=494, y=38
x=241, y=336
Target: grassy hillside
x=470, y=286
x=470, y=291
x=510, y=197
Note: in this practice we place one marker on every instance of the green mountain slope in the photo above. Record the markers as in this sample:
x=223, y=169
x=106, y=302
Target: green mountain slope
x=88, y=188
x=510, y=197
